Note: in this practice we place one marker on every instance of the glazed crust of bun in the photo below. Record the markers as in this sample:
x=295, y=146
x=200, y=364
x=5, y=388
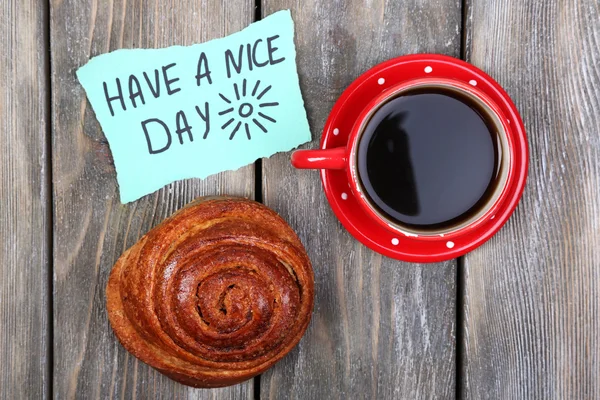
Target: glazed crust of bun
x=214, y=295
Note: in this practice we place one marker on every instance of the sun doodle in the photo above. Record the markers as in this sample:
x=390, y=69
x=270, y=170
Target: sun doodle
x=244, y=111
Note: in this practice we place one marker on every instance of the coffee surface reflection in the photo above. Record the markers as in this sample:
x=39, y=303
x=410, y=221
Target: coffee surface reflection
x=428, y=158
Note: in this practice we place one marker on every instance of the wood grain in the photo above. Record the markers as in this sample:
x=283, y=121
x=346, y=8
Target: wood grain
x=381, y=328
x=532, y=294
x=92, y=228
x=24, y=202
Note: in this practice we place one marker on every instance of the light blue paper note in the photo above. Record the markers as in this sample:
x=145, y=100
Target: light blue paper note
x=184, y=112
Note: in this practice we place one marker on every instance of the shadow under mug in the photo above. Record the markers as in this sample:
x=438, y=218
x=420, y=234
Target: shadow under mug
x=346, y=157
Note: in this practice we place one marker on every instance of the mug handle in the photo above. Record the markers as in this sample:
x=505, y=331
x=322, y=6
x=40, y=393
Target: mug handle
x=320, y=159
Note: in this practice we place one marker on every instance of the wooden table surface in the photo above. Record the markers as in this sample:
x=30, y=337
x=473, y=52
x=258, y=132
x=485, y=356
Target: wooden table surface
x=516, y=319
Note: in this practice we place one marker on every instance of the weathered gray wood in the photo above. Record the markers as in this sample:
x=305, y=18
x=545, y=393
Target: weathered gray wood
x=532, y=295
x=24, y=202
x=91, y=227
x=381, y=328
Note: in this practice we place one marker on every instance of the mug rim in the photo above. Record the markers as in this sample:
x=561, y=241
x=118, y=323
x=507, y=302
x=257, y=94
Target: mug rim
x=500, y=194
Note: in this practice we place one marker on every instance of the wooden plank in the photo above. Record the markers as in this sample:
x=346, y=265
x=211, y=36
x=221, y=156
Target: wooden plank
x=381, y=328
x=532, y=295
x=92, y=228
x=24, y=201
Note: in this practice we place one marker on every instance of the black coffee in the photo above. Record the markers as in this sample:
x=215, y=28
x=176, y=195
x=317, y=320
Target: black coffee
x=429, y=158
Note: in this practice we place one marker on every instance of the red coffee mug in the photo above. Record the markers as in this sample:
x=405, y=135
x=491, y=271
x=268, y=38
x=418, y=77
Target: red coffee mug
x=422, y=72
